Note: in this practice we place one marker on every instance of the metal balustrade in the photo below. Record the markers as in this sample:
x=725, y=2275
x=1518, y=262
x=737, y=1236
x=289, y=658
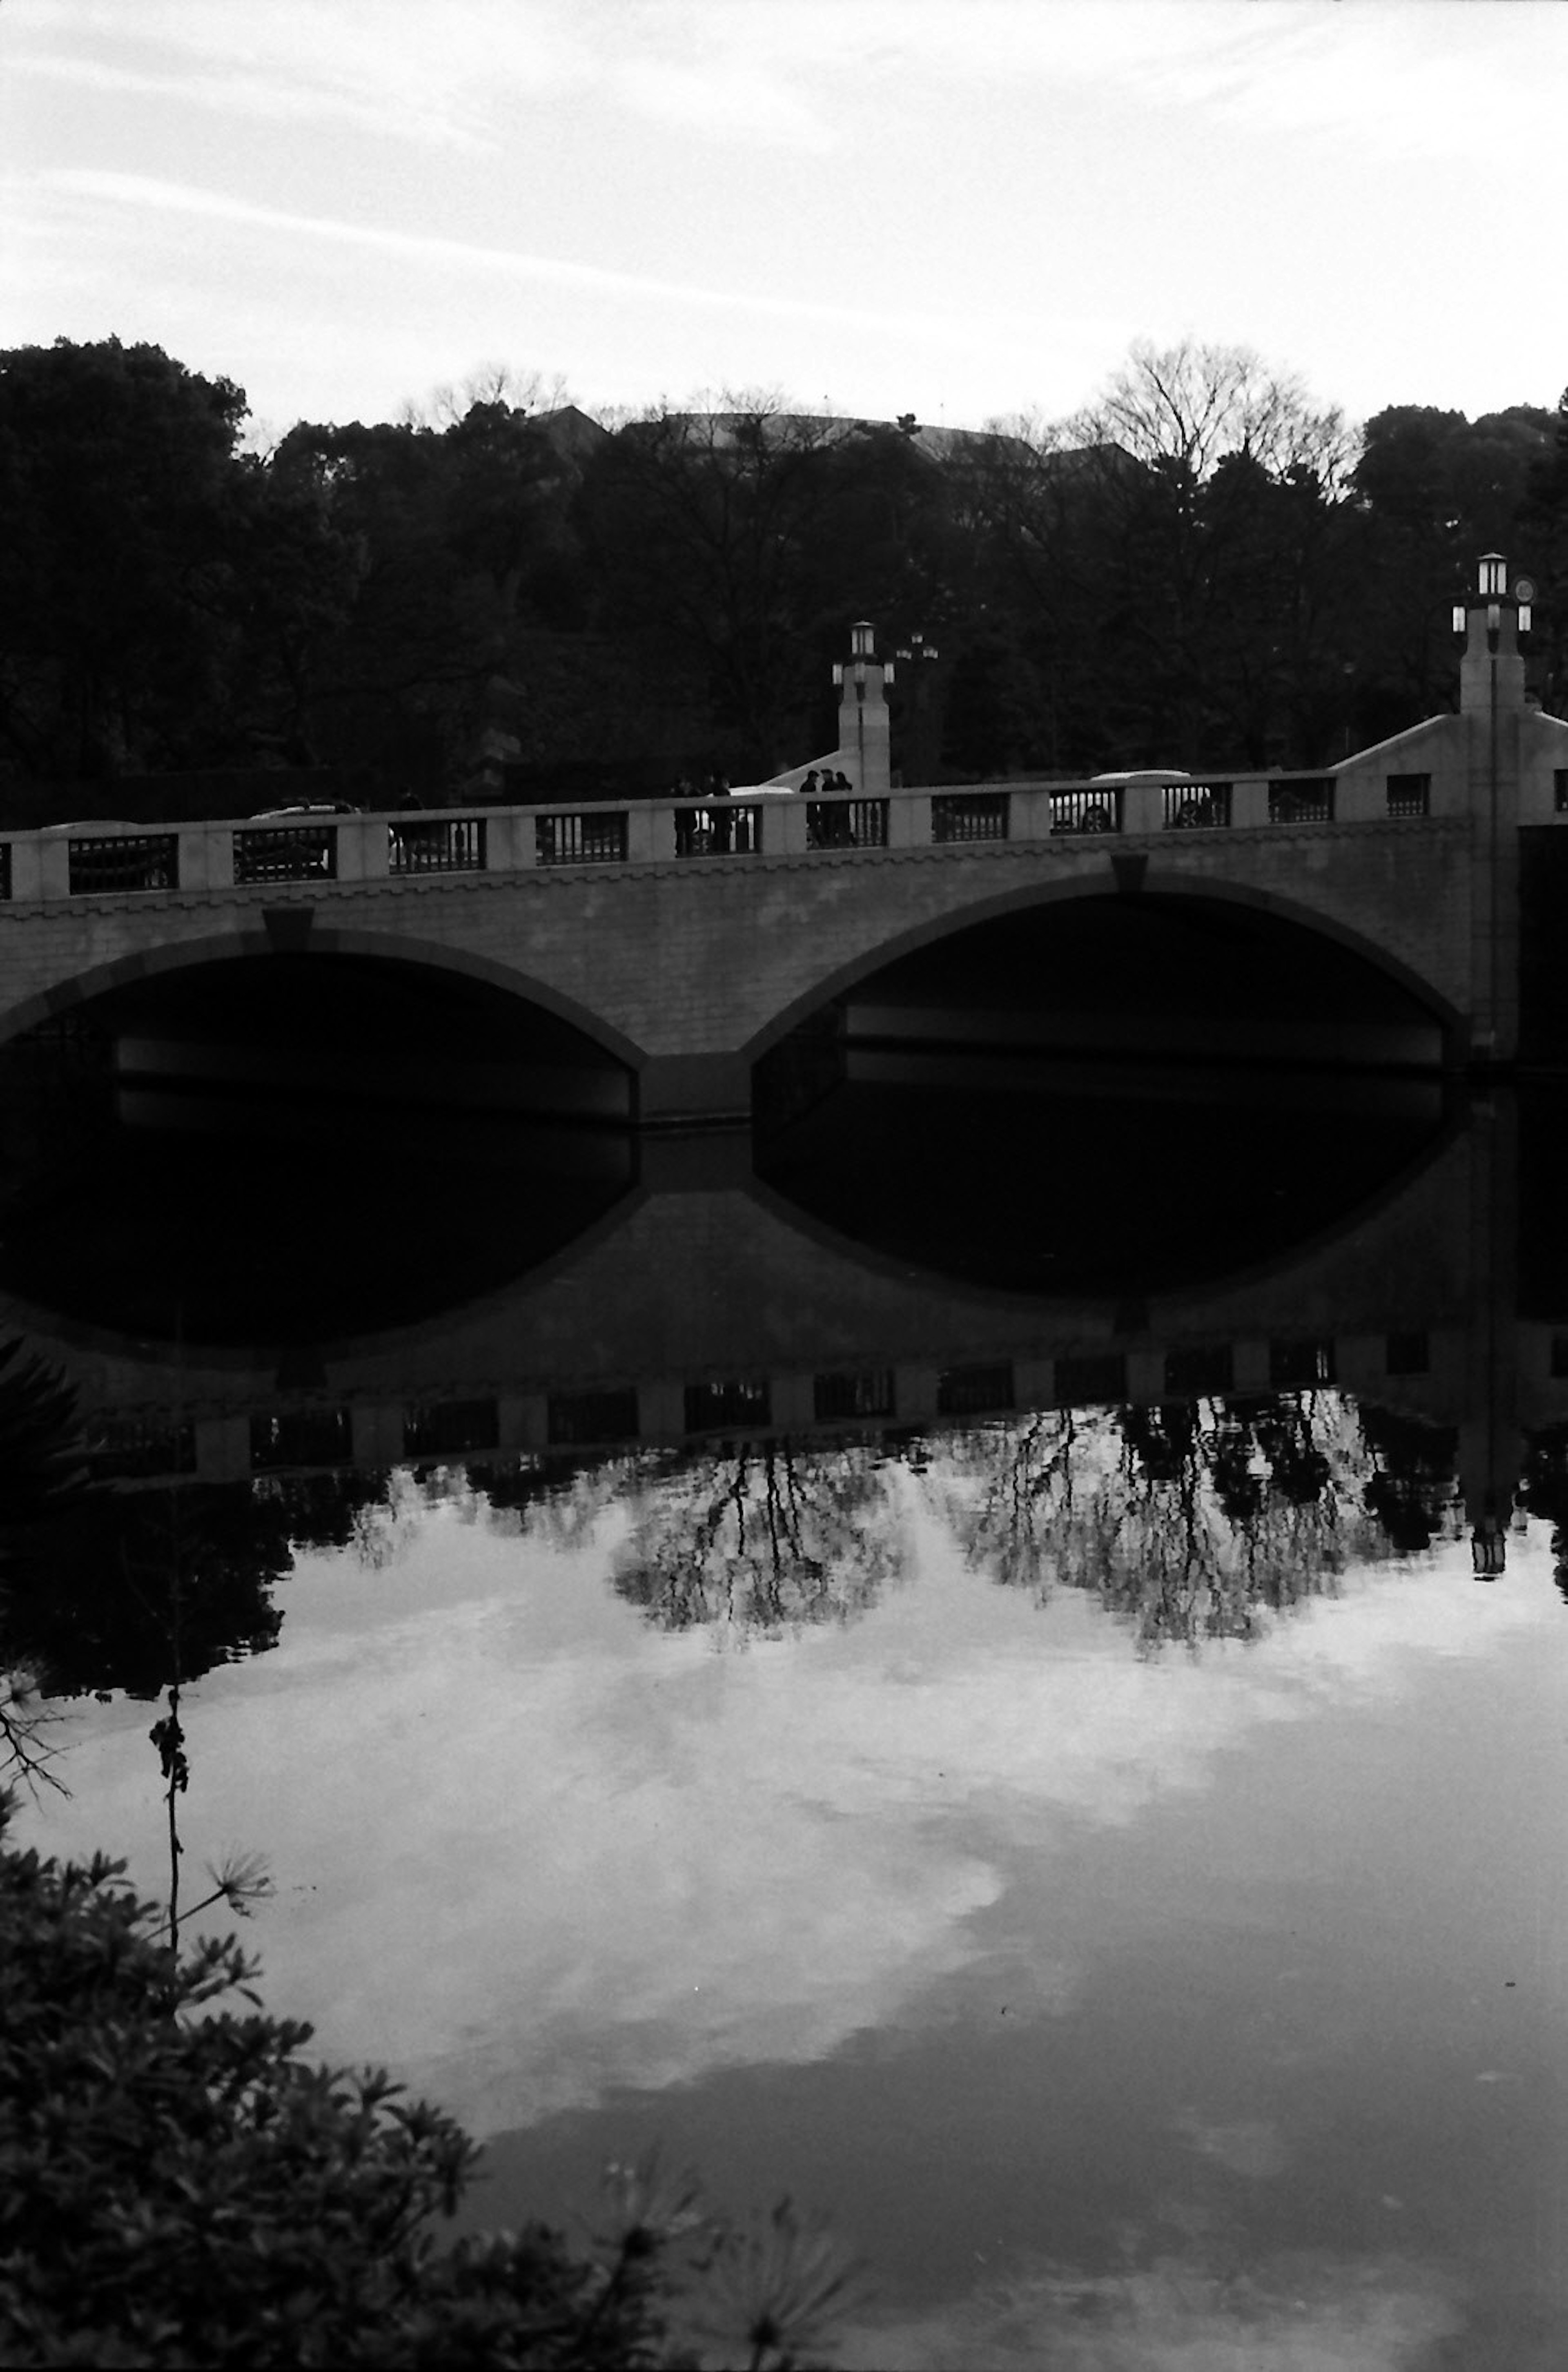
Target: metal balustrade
x=1302, y=801
x=1196, y=807
x=720, y=828
x=580, y=839
x=436, y=845
x=847, y=824
x=835, y=1399
x=1088, y=809
x=737, y=1403
x=982, y=815
x=310, y=1436
x=128, y=1450
x=5, y=868
x=1409, y=795
x=1091, y=1379
x=1200, y=1372
x=975, y=1391
x=1301, y=1365
x=285, y=852
x=449, y=1428
x=128, y=860
x=573, y=1418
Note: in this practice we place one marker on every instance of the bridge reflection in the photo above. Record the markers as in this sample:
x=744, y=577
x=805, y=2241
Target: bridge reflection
x=758, y=1400
x=703, y=1308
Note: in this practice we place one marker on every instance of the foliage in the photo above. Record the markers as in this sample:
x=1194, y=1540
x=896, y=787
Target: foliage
x=1204, y=566
x=179, y=2186
x=116, y=472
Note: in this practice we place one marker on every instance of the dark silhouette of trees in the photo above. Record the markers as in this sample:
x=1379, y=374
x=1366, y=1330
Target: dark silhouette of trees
x=118, y=478
x=1431, y=491
x=1203, y=567
x=1544, y=522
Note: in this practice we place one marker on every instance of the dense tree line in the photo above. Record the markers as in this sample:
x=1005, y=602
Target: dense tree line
x=1203, y=567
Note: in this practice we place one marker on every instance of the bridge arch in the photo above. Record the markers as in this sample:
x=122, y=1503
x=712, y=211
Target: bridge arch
x=1082, y=890
x=299, y=930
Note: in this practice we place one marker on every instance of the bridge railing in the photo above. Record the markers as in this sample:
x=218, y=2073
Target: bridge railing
x=318, y=851
x=437, y=843
x=285, y=852
x=846, y=823
x=1091, y=808
x=1302, y=799
x=718, y=828
x=581, y=836
x=969, y=815
x=1196, y=807
x=1413, y=1368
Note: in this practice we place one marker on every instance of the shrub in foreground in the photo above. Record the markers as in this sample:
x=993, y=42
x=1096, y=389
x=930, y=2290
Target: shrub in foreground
x=179, y=2186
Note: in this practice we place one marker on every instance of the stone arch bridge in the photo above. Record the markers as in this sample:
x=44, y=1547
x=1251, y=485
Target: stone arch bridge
x=686, y=936
x=685, y=939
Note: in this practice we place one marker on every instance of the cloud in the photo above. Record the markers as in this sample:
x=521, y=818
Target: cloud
x=809, y=75
x=399, y=67
x=530, y=1852
x=118, y=190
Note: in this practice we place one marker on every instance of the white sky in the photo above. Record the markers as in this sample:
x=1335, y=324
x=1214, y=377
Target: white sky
x=961, y=208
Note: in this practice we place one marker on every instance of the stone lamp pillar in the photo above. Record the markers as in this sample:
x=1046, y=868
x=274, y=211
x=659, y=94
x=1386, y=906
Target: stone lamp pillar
x=863, y=721
x=1492, y=705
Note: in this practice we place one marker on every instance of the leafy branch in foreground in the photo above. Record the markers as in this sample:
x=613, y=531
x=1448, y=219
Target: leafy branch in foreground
x=180, y=2190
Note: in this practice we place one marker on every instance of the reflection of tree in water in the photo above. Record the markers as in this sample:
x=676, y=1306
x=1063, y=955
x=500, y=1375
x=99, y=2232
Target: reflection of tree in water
x=132, y=1588
x=1411, y=1489
x=558, y=1500
x=41, y=1473
x=1194, y=1518
x=762, y=1536
x=1544, y=1491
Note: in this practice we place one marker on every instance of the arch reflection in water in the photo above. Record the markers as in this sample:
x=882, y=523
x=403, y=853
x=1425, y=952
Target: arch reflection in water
x=290, y=1148
x=1112, y=1095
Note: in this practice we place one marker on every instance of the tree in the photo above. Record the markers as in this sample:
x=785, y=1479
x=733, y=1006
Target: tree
x=1214, y=481
x=703, y=528
x=190, y=2190
x=118, y=470
x=1433, y=490
x=1544, y=522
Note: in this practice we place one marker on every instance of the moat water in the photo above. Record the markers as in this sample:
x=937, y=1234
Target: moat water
x=1109, y=1862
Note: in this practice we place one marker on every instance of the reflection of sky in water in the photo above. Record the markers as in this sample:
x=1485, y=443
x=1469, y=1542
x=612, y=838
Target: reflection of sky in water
x=1182, y=2011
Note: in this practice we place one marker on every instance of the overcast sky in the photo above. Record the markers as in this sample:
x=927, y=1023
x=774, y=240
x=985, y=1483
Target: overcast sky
x=958, y=208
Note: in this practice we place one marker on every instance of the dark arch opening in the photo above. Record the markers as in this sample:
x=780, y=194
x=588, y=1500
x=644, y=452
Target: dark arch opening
x=1113, y=1094
x=287, y=1147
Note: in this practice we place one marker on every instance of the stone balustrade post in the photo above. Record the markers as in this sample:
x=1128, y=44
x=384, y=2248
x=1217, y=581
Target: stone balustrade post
x=642, y=831
x=26, y=869
x=909, y=819
x=363, y=851
x=784, y=826
x=1029, y=811
x=1143, y=808
x=54, y=864
x=1250, y=803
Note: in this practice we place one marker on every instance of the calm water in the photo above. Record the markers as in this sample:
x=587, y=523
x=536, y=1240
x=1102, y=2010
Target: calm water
x=1110, y=1862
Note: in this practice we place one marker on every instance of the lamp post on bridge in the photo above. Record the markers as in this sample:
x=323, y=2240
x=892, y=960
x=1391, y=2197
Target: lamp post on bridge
x=864, y=722
x=916, y=657
x=1491, y=699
